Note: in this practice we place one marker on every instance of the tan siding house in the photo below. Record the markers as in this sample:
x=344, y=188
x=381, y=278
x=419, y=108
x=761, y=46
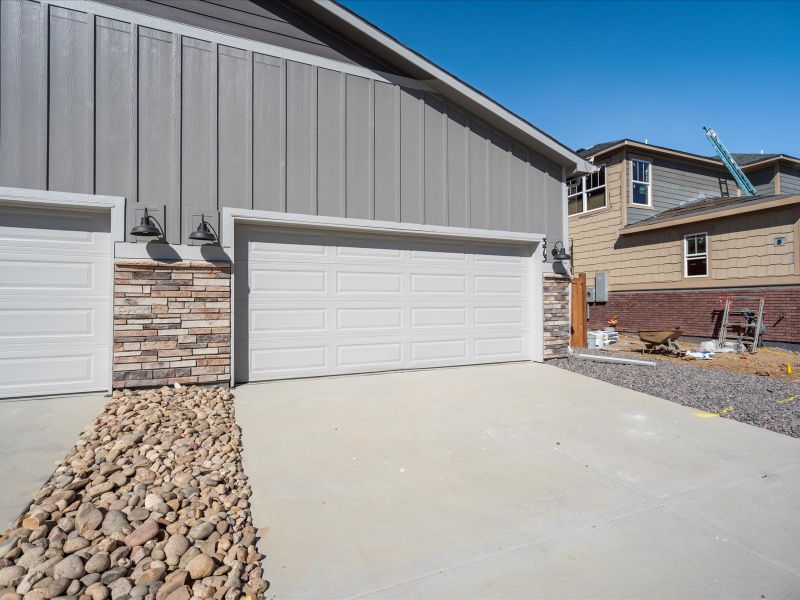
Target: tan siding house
x=686, y=247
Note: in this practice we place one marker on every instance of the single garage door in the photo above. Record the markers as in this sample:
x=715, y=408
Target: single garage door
x=55, y=300
x=326, y=302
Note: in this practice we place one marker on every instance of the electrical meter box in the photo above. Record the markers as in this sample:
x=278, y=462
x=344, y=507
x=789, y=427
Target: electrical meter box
x=590, y=294
x=601, y=287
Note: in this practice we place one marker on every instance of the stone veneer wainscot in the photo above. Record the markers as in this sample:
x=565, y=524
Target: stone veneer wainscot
x=556, y=315
x=172, y=322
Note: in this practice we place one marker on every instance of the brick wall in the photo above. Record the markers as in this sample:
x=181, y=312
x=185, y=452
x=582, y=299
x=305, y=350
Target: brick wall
x=699, y=312
x=172, y=322
x=556, y=315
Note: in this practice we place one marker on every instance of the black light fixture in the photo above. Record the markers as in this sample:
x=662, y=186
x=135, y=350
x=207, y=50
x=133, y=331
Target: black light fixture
x=203, y=233
x=560, y=253
x=146, y=227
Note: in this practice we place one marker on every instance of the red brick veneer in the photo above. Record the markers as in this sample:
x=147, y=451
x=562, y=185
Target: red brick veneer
x=172, y=322
x=699, y=312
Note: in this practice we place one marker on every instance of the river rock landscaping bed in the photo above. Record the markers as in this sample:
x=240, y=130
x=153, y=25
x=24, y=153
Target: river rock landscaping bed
x=151, y=503
x=766, y=402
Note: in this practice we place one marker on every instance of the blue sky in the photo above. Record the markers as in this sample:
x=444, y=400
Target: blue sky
x=587, y=72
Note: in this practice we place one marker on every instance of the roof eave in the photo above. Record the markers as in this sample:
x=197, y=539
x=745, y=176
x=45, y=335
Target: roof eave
x=689, y=156
x=441, y=81
x=717, y=214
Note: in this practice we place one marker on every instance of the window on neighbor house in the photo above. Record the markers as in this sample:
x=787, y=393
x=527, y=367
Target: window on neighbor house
x=695, y=255
x=640, y=182
x=587, y=193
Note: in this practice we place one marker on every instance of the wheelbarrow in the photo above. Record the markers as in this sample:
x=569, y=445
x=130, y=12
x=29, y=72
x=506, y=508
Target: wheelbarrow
x=663, y=341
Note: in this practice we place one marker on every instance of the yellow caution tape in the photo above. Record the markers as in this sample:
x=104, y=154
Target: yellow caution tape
x=708, y=415
x=789, y=399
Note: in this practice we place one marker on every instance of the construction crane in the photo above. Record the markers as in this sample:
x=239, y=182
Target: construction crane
x=733, y=167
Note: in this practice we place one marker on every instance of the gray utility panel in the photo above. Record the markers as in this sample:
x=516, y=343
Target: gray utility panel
x=601, y=286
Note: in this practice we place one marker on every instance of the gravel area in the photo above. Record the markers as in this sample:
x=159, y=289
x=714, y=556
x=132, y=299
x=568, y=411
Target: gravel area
x=151, y=503
x=761, y=401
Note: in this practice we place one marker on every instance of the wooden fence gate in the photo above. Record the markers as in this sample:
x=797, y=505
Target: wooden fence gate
x=578, y=325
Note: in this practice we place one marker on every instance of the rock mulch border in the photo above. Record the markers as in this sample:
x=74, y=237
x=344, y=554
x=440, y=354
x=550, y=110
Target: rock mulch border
x=152, y=503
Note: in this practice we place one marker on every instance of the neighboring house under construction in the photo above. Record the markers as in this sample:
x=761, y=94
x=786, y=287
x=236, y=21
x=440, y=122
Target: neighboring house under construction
x=663, y=235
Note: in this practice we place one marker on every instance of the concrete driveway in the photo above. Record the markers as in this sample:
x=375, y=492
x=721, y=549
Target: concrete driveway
x=511, y=481
x=35, y=433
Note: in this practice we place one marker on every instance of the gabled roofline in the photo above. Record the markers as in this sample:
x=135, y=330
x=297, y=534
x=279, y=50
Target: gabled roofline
x=770, y=160
x=734, y=210
x=626, y=143
x=385, y=46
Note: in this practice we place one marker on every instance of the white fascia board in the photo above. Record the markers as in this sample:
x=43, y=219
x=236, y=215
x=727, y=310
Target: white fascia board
x=230, y=216
x=144, y=20
x=115, y=204
x=435, y=73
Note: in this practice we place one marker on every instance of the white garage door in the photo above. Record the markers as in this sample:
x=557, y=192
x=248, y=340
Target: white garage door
x=322, y=303
x=55, y=301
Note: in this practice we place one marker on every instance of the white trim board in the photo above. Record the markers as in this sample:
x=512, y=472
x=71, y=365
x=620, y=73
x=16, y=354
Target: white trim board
x=230, y=216
x=116, y=204
x=144, y=20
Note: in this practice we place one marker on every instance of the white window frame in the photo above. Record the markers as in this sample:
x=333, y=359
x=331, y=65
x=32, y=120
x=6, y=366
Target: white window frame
x=649, y=183
x=584, y=193
x=687, y=256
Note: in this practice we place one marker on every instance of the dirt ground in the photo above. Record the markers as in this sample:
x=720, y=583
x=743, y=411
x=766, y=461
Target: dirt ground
x=771, y=362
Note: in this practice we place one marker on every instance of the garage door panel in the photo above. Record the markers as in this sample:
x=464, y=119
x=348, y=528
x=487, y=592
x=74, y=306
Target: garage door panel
x=283, y=320
x=372, y=250
x=350, y=282
x=424, y=317
x=372, y=355
x=53, y=369
x=38, y=229
x=492, y=316
x=500, y=347
x=266, y=282
x=369, y=304
x=52, y=322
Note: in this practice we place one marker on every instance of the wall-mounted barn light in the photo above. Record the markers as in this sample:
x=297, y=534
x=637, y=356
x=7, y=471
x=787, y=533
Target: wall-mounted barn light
x=146, y=227
x=204, y=232
x=560, y=253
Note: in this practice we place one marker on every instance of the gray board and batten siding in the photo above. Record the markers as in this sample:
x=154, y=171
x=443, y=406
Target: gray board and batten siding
x=763, y=180
x=675, y=183
x=185, y=125
x=790, y=179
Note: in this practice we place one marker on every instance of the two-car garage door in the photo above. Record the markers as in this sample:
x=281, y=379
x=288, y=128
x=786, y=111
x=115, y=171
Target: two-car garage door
x=330, y=302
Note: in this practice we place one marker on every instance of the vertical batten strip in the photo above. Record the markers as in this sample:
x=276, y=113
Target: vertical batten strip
x=214, y=128
x=397, y=157
x=422, y=157
x=371, y=150
x=313, y=132
x=134, y=119
x=91, y=34
x=44, y=93
x=250, y=104
x=284, y=117
x=175, y=192
x=343, y=182
x=489, y=196
x=446, y=161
